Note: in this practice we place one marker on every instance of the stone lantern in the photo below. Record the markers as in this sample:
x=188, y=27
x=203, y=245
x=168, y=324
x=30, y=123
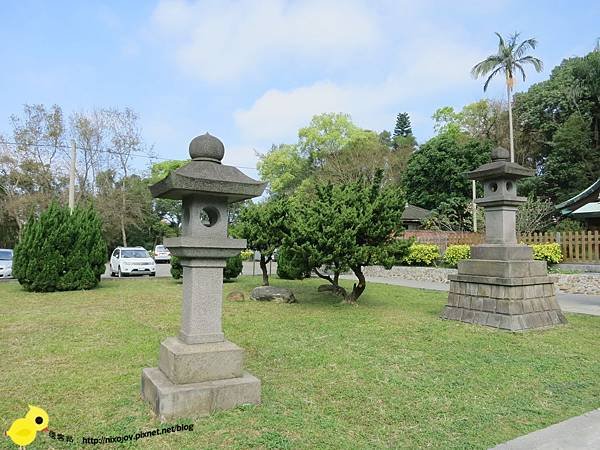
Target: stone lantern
x=199, y=371
x=501, y=286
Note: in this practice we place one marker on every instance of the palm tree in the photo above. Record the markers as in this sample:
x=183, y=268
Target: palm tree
x=509, y=59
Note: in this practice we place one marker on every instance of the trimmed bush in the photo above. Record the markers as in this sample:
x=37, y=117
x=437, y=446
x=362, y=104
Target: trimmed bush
x=231, y=270
x=61, y=251
x=550, y=252
x=233, y=267
x=456, y=253
x=176, y=268
x=291, y=266
x=422, y=255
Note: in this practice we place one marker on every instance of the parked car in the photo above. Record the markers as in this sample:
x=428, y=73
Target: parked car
x=162, y=254
x=6, y=259
x=126, y=261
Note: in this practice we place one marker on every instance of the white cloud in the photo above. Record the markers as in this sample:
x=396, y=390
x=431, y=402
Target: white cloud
x=224, y=40
x=435, y=65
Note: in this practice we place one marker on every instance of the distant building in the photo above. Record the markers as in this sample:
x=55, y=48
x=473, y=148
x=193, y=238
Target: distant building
x=584, y=206
x=413, y=216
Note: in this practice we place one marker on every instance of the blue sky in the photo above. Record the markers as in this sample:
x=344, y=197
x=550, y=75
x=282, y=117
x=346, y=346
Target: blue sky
x=253, y=72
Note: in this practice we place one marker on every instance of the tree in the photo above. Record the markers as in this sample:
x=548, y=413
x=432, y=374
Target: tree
x=361, y=157
x=435, y=177
x=480, y=119
x=284, y=168
x=264, y=225
x=167, y=209
x=535, y=215
x=510, y=58
x=403, y=127
x=348, y=226
x=61, y=251
x=573, y=164
x=326, y=134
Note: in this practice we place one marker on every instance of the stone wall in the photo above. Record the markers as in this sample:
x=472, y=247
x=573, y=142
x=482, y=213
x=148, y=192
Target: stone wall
x=580, y=283
x=437, y=274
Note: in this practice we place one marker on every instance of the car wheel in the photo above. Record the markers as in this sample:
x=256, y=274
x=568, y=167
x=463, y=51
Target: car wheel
x=119, y=273
x=153, y=274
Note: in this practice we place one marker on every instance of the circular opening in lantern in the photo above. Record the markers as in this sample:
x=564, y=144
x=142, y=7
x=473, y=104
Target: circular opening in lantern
x=493, y=187
x=209, y=216
x=509, y=185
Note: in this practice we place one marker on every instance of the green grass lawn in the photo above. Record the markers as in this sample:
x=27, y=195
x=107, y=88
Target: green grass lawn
x=386, y=373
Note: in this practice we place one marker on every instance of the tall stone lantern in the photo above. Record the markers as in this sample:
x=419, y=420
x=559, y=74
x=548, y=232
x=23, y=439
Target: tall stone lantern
x=501, y=286
x=199, y=371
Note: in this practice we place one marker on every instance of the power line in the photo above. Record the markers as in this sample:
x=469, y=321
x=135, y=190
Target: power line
x=111, y=152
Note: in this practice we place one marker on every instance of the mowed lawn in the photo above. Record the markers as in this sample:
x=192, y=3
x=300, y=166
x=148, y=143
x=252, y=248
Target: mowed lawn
x=385, y=374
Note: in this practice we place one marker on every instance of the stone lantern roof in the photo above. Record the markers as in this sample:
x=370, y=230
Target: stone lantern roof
x=205, y=175
x=500, y=168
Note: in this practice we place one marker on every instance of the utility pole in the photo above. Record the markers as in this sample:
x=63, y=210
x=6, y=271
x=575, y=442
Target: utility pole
x=72, y=176
x=474, y=206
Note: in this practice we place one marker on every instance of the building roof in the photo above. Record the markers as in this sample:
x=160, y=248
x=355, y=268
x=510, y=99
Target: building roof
x=588, y=195
x=587, y=211
x=415, y=213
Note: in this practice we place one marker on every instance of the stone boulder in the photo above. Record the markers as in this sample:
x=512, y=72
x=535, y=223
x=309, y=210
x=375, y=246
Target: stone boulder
x=272, y=293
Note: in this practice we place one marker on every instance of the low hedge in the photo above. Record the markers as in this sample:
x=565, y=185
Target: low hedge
x=455, y=253
x=421, y=255
x=550, y=252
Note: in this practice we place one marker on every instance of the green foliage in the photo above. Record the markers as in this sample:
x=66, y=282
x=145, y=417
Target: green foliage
x=284, y=168
x=421, y=255
x=61, y=251
x=233, y=267
x=567, y=225
x=403, y=127
x=550, y=252
x=326, y=134
x=347, y=226
x=291, y=265
x=455, y=253
x=435, y=179
x=176, y=268
x=263, y=225
x=573, y=164
x=559, y=128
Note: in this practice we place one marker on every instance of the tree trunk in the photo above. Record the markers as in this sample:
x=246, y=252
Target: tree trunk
x=510, y=123
x=123, y=234
x=263, y=267
x=357, y=289
x=337, y=289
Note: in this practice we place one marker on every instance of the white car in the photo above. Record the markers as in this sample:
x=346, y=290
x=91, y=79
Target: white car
x=126, y=261
x=162, y=254
x=6, y=259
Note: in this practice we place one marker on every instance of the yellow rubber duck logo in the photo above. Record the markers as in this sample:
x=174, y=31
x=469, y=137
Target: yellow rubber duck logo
x=23, y=431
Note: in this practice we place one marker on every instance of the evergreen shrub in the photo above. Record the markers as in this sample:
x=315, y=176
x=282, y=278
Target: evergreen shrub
x=61, y=251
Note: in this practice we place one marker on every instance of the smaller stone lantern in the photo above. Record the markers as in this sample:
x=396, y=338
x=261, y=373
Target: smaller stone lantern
x=501, y=286
x=199, y=371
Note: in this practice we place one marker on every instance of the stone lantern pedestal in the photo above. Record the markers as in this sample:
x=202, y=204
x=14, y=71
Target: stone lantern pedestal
x=199, y=371
x=501, y=286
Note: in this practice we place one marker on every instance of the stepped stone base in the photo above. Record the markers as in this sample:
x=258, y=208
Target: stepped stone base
x=194, y=380
x=513, y=304
x=172, y=401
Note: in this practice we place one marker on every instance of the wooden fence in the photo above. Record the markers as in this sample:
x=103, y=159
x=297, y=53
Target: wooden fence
x=576, y=246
